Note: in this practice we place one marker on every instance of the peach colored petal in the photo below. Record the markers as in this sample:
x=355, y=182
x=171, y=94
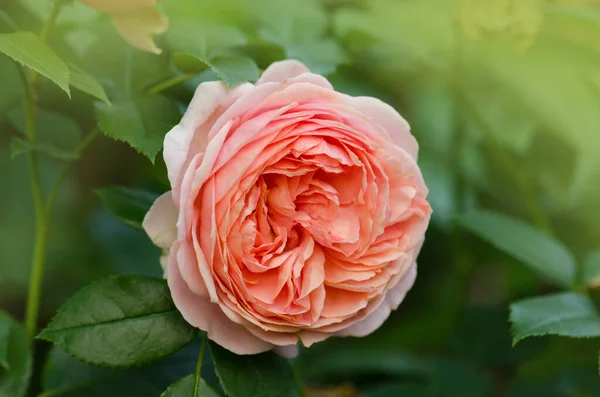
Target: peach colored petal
x=393, y=299
x=207, y=316
x=300, y=210
x=160, y=223
x=190, y=136
x=385, y=115
x=280, y=71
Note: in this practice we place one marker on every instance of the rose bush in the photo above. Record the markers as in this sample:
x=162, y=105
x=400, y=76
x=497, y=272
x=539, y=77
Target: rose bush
x=296, y=212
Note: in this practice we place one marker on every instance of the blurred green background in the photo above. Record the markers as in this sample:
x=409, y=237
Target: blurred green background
x=502, y=95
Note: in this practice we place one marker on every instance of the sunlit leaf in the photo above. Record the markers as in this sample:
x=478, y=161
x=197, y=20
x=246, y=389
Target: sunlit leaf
x=231, y=69
x=86, y=83
x=27, y=49
x=142, y=122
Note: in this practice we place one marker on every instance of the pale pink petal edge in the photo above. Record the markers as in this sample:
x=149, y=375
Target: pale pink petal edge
x=207, y=316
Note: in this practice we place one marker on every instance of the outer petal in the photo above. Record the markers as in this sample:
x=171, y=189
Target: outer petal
x=199, y=312
x=190, y=136
x=392, y=300
x=160, y=223
x=389, y=119
x=280, y=71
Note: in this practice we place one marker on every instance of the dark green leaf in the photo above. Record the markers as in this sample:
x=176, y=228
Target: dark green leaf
x=231, y=69
x=546, y=255
x=27, y=49
x=4, y=339
x=590, y=269
x=189, y=386
x=86, y=83
x=129, y=205
x=260, y=375
x=120, y=321
x=566, y=314
x=403, y=389
x=318, y=365
x=19, y=146
x=65, y=376
x=450, y=378
x=142, y=123
x=15, y=369
x=483, y=335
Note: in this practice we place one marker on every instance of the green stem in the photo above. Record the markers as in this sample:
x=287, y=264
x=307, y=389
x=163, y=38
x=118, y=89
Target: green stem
x=39, y=250
x=41, y=215
x=199, y=365
x=172, y=82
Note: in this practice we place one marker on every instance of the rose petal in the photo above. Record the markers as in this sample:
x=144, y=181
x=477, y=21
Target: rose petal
x=391, y=302
x=209, y=317
x=386, y=116
x=160, y=223
x=280, y=71
x=190, y=136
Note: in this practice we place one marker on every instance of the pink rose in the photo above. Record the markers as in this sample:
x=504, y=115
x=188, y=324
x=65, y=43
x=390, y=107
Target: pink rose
x=296, y=212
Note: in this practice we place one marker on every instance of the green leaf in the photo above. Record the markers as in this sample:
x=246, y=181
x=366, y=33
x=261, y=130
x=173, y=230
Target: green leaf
x=15, y=358
x=4, y=339
x=86, y=83
x=19, y=146
x=566, y=314
x=129, y=205
x=321, y=365
x=590, y=269
x=142, y=123
x=120, y=321
x=232, y=70
x=546, y=255
x=259, y=375
x=53, y=129
x=65, y=376
x=210, y=40
x=190, y=386
x=321, y=57
x=27, y=49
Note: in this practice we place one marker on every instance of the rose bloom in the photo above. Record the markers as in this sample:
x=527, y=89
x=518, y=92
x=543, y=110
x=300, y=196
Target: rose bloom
x=296, y=212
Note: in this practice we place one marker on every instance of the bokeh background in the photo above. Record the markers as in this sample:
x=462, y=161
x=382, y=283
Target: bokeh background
x=502, y=95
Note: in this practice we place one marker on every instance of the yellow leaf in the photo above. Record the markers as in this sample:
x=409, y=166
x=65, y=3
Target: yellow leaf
x=118, y=6
x=138, y=27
